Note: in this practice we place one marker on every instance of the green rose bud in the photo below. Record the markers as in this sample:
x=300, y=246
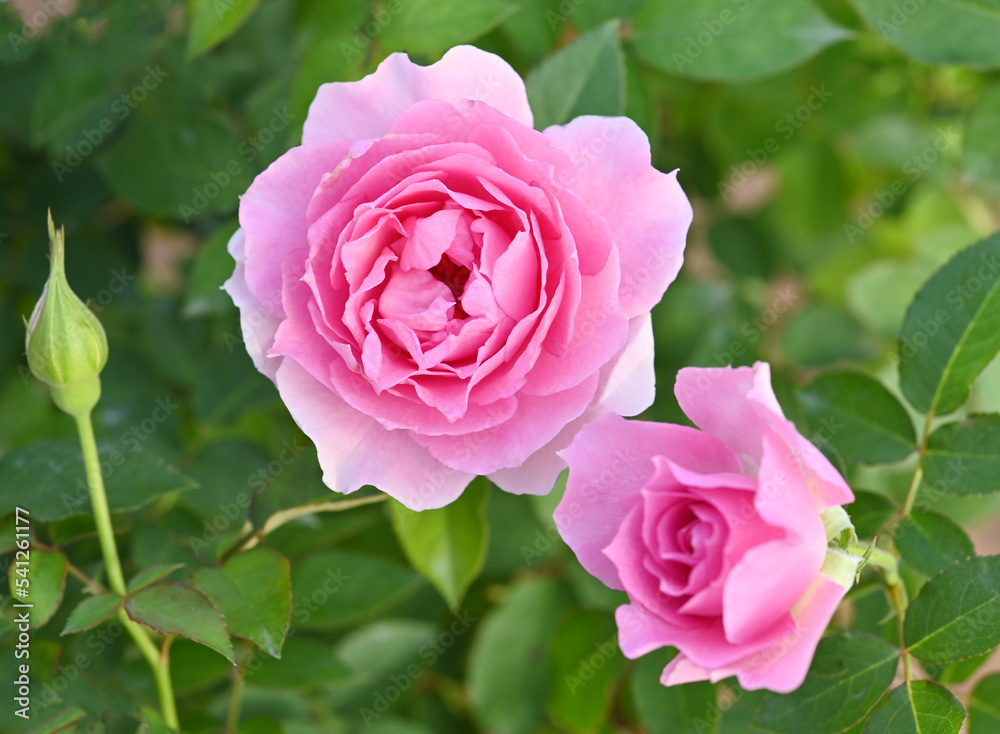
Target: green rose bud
x=66, y=344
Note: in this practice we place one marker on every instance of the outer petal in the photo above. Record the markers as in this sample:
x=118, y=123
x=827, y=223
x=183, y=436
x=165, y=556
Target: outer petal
x=273, y=215
x=647, y=211
x=782, y=667
x=610, y=460
x=367, y=108
x=738, y=406
x=257, y=323
x=355, y=450
x=755, y=597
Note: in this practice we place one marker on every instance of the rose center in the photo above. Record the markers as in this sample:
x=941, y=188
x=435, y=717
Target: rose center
x=455, y=277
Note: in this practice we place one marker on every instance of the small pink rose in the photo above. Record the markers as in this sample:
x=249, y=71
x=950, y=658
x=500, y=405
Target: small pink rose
x=716, y=535
x=440, y=291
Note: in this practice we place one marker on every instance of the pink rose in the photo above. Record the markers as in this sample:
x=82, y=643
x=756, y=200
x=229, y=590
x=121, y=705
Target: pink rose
x=716, y=535
x=440, y=291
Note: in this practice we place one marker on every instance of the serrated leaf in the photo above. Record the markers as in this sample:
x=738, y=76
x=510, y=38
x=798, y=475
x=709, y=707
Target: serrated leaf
x=253, y=592
x=964, y=458
x=931, y=542
x=150, y=722
x=730, y=40
x=172, y=609
x=45, y=573
x=91, y=612
x=921, y=707
x=53, y=479
x=60, y=722
x=859, y=417
x=939, y=31
x=847, y=676
x=587, y=77
x=952, y=329
x=213, y=21
x=984, y=706
x=149, y=576
x=448, y=546
x=957, y=613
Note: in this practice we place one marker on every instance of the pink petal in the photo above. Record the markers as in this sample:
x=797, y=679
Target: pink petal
x=257, y=324
x=738, y=406
x=367, y=108
x=628, y=382
x=273, y=215
x=782, y=667
x=354, y=450
x=767, y=581
x=536, y=421
x=647, y=211
x=610, y=460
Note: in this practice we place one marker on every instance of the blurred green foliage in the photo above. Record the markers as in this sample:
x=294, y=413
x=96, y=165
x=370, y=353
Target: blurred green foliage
x=837, y=154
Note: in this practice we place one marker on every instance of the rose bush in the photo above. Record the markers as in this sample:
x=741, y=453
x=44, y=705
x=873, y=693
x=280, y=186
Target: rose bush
x=440, y=291
x=716, y=535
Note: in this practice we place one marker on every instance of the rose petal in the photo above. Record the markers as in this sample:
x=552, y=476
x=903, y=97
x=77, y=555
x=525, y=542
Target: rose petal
x=367, y=108
x=647, y=211
x=273, y=215
x=610, y=460
x=257, y=324
x=354, y=450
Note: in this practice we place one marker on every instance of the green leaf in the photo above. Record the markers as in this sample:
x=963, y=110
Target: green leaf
x=172, y=609
x=869, y=512
x=253, y=592
x=952, y=329
x=981, y=147
x=731, y=40
x=199, y=169
x=673, y=710
x=213, y=21
x=46, y=577
x=52, y=476
x=583, y=670
x=448, y=546
x=91, y=612
x=922, y=707
x=847, y=676
x=957, y=613
x=939, y=31
x=964, y=458
x=508, y=663
x=984, y=706
x=859, y=417
x=586, y=77
x=212, y=267
x=60, y=722
x=428, y=27
x=340, y=589
x=931, y=542
x=149, y=576
x=304, y=663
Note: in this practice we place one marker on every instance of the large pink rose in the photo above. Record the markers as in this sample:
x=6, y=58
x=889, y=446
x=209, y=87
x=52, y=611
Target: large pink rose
x=716, y=535
x=440, y=291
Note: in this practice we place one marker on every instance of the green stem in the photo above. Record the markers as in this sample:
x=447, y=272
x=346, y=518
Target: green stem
x=281, y=517
x=236, y=695
x=898, y=599
x=158, y=660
